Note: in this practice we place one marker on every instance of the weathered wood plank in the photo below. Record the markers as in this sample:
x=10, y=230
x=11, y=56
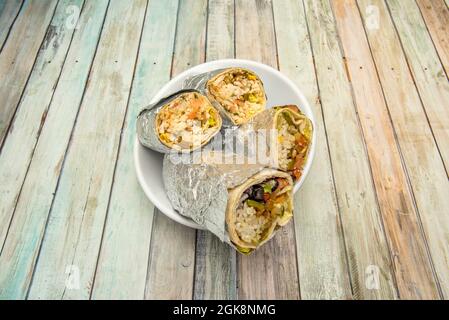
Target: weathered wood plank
x=220, y=30
x=270, y=272
x=18, y=56
x=129, y=223
x=9, y=10
x=323, y=272
x=31, y=113
x=255, y=36
x=411, y=264
x=365, y=242
x=172, y=260
x=25, y=235
x=215, y=265
x=215, y=271
x=172, y=257
x=67, y=260
x=425, y=167
x=426, y=69
x=436, y=17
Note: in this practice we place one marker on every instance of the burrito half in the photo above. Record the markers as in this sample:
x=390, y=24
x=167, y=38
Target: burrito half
x=242, y=204
x=239, y=93
x=293, y=137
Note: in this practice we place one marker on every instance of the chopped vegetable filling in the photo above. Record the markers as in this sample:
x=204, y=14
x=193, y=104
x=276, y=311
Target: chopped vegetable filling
x=239, y=92
x=260, y=206
x=187, y=121
x=294, y=139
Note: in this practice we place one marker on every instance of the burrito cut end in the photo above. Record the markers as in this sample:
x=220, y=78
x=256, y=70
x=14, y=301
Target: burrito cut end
x=294, y=139
x=263, y=205
x=239, y=92
x=187, y=122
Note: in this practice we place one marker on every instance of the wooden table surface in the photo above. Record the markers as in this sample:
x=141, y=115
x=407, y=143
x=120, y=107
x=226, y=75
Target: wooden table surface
x=371, y=221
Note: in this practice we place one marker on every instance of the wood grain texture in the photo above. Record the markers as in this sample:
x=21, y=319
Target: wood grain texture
x=215, y=264
x=21, y=248
x=427, y=71
x=436, y=17
x=67, y=260
x=323, y=272
x=75, y=224
x=220, y=30
x=129, y=222
x=172, y=257
x=9, y=10
x=425, y=167
x=18, y=56
x=270, y=272
x=365, y=241
x=31, y=113
x=411, y=262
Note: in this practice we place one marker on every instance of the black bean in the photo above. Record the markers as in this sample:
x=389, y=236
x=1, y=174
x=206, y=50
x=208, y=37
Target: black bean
x=275, y=185
x=258, y=193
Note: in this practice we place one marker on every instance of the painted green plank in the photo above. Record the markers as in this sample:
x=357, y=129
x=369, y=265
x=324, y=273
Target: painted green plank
x=8, y=13
x=25, y=235
x=67, y=261
x=425, y=168
x=130, y=217
x=323, y=272
x=172, y=257
x=31, y=113
x=270, y=272
x=426, y=68
x=215, y=265
x=220, y=30
x=18, y=56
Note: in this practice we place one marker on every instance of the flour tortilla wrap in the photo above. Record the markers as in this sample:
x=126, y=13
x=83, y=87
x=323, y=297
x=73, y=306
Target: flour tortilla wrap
x=184, y=121
x=292, y=137
x=243, y=234
x=209, y=191
x=238, y=93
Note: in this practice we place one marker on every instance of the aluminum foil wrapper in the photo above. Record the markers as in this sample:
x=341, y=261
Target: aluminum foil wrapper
x=146, y=123
x=259, y=138
x=199, y=81
x=197, y=185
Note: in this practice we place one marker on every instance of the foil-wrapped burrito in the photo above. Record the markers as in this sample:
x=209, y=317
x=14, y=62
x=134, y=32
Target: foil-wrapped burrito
x=289, y=149
x=238, y=93
x=243, y=204
x=184, y=121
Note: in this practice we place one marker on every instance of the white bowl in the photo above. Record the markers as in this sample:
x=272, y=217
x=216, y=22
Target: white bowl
x=280, y=91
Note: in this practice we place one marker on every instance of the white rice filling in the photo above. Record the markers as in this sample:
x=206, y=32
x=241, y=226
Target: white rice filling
x=240, y=94
x=250, y=227
x=187, y=121
x=286, y=142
